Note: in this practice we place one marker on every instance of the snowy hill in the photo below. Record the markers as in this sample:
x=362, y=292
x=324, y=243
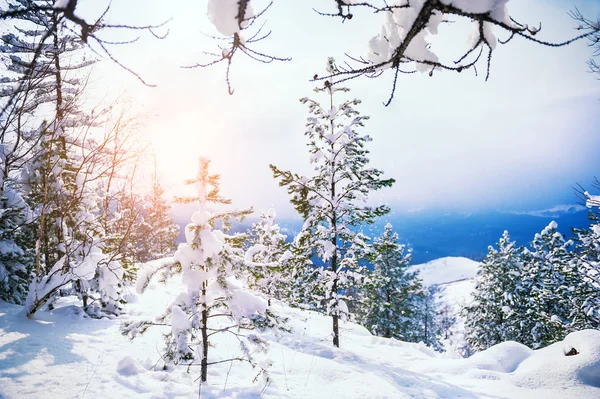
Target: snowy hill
x=446, y=270
x=455, y=277
x=60, y=354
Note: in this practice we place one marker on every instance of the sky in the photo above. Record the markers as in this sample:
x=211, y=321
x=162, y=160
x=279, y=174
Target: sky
x=517, y=142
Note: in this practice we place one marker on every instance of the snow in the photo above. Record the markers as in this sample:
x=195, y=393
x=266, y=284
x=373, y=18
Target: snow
x=62, y=353
x=446, y=270
x=455, y=276
x=128, y=366
x=476, y=6
x=223, y=15
x=551, y=368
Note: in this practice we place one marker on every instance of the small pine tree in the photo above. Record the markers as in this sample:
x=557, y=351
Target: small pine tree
x=494, y=315
x=268, y=245
x=213, y=302
x=70, y=238
x=426, y=327
x=391, y=290
x=159, y=240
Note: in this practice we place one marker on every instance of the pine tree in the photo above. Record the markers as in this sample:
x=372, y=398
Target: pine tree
x=300, y=285
x=333, y=201
x=213, y=303
x=268, y=246
x=16, y=250
x=585, y=305
x=159, y=240
x=495, y=315
x=547, y=307
x=390, y=293
x=426, y=327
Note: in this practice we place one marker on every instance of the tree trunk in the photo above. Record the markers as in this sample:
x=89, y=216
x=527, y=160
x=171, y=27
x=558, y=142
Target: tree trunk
x=386, y=332
x=204, y=362
x=334, y=288
x=336, y=331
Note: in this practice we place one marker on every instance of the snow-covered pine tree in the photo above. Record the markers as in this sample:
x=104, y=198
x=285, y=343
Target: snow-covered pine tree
x=389, y=304
x=585, y=306
x=495, y=315
x=125, y=229
x=214, y=304
x=446, y=321
x=300, y=286
x=547, y=307
x=333, y=201
x=268, y=246
x=426, y=328
x=159, y=240
x=16, y=249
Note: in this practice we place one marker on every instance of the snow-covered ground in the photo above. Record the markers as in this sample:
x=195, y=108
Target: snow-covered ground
x=60, y=354
x=446, y=270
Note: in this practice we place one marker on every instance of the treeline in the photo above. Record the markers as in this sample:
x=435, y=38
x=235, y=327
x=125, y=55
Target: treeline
x=537, y=295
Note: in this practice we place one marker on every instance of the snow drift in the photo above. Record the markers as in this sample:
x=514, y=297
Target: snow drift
x=63, y=354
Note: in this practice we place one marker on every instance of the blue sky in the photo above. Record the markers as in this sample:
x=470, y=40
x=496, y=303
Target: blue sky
x=516, y=142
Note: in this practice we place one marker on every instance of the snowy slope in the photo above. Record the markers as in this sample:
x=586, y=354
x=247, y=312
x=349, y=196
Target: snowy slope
x=62, y=355
x=455, y=277
x=446, y=270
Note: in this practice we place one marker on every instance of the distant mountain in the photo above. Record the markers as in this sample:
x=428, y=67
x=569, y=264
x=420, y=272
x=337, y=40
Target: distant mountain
x=438, y=235
x=433, y=235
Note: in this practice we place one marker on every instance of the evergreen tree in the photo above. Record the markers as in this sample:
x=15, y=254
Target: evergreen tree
x=333, y=201
x=545, y=278
x=586, y=258
x=159, y=240
x=126, y=232
x=16, y=250
x=494, y=315
x=391, y=291
x=446, y=321
x=426, y=327
x=300, y=285
x=213, y=303
x=268, y=245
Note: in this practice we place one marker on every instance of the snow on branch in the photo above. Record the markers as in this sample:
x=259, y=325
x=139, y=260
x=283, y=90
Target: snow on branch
x=231, y=17
x=403, y=44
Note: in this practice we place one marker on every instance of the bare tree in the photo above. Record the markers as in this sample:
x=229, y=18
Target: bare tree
x=56, y=15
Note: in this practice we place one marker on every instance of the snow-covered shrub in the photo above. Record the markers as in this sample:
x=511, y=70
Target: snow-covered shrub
x=214, y=303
